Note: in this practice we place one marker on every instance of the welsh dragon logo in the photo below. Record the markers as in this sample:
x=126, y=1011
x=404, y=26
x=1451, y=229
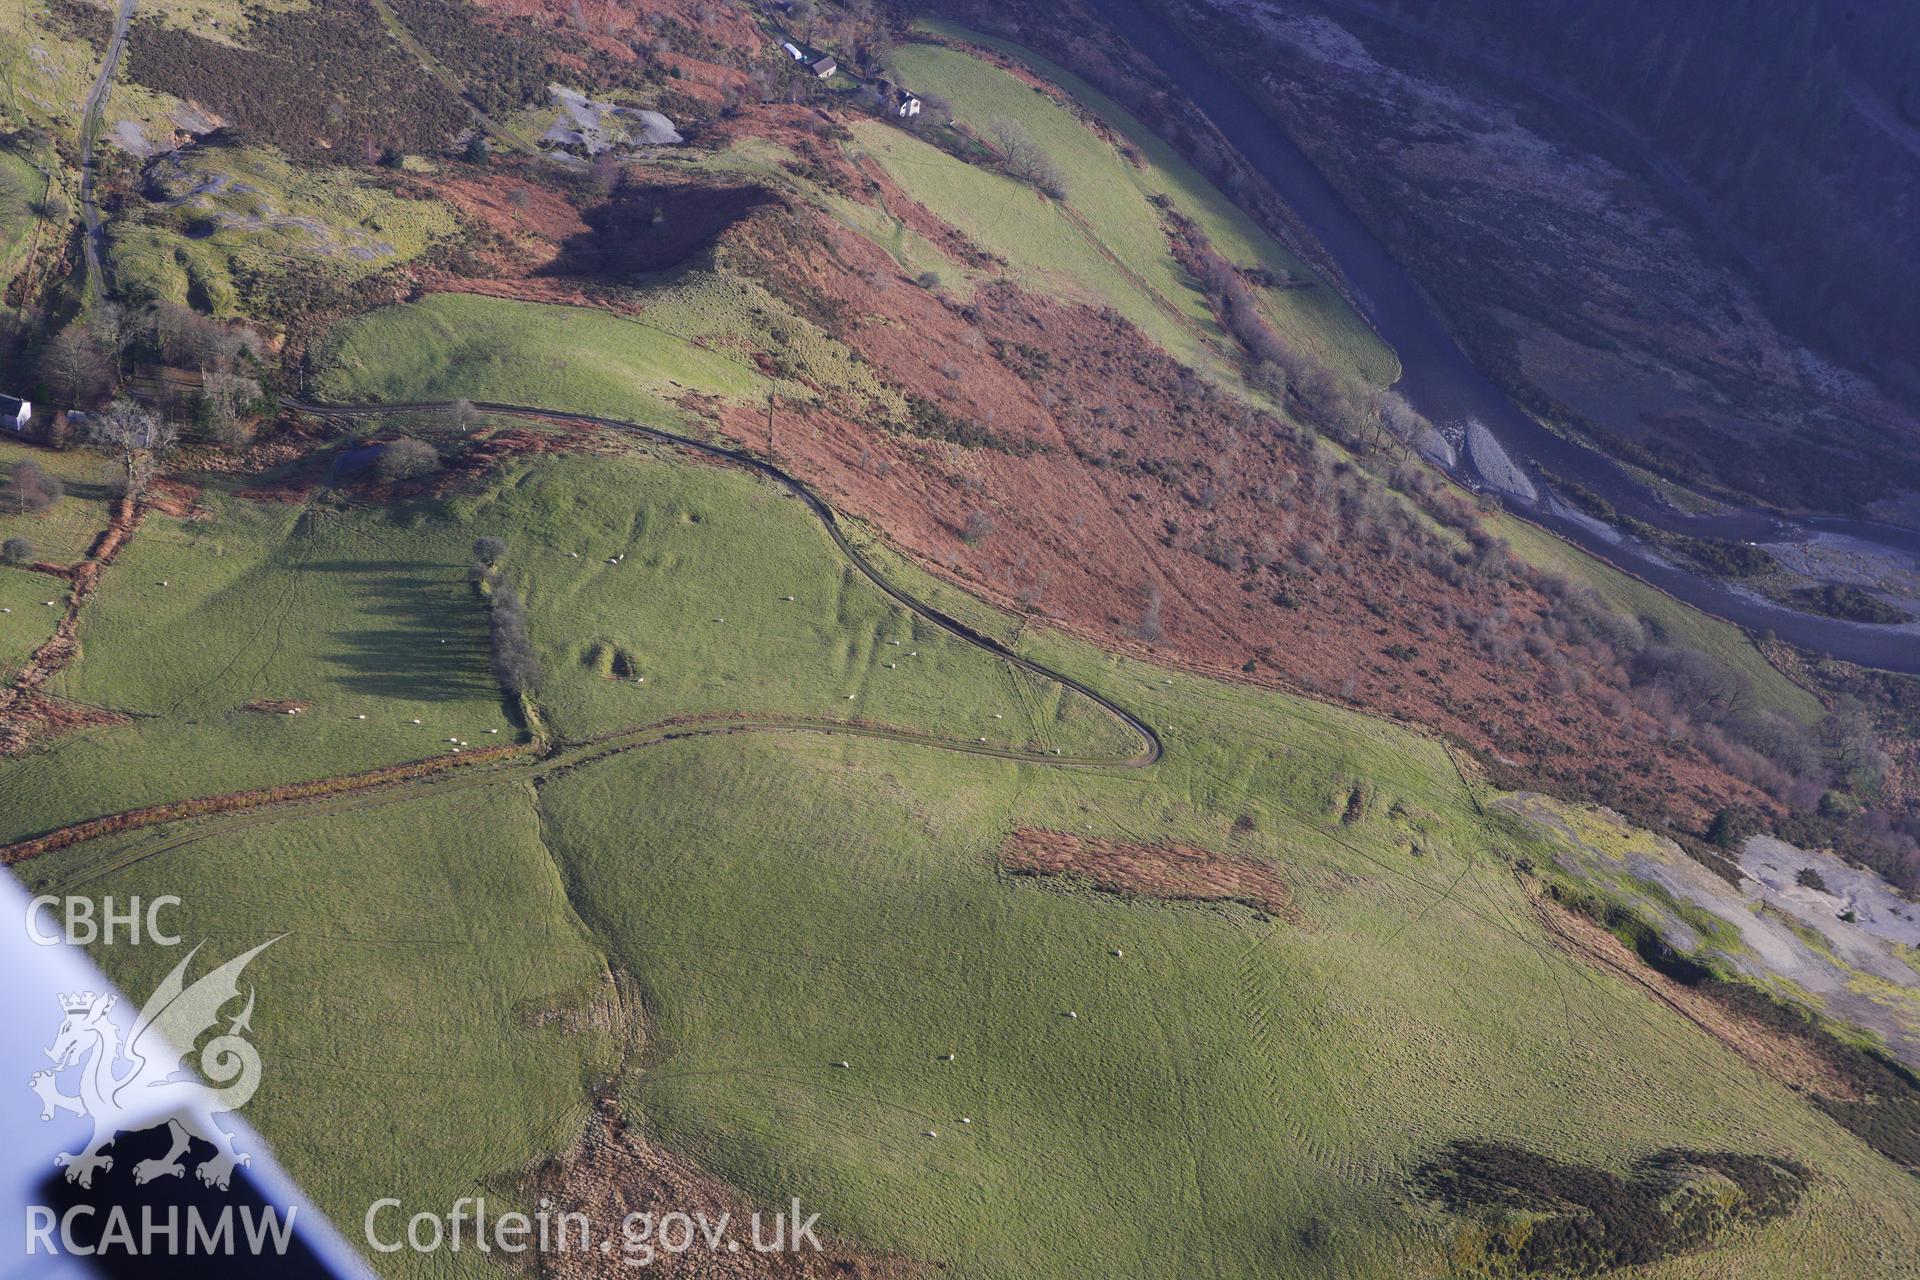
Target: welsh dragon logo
x=149, y=1090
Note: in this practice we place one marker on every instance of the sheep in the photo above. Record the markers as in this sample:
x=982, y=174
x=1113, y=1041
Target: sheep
x=843, y=1064
x=1073, y=1013
x=789, y=599
x=849, y=697
x=1117, y=953
x=933, y=1133
x=362, y=716
x=966, y=1119
x=493, y=731
x=947, y=1057
x=415, y=722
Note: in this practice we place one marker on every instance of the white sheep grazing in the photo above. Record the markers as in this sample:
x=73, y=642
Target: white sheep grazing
x=933, y=1133
x=966, y=1119
x=360, y=717
x=416, y=722
x=946, y=1057
x=843, y=1065
x=1073, y=1013
x=493, y=731
x=1117, y=953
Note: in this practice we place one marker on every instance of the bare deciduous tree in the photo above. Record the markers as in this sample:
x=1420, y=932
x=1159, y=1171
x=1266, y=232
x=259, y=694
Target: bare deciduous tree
x=1026, y=159
x=29, y=489
x=407, y=459
x=224, y=399
x=142, y=441
x=73, y=367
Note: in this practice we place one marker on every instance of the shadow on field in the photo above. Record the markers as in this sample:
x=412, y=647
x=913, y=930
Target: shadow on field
x=431, y=644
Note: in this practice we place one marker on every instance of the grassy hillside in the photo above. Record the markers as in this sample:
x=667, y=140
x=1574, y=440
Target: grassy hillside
x=434, y=1013
x=21, y=185
x=366, y=611
x=1112, y=194
x=451, y=345
x=1241, y=1094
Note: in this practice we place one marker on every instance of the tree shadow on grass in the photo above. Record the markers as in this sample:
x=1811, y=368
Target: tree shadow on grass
x=431, y=642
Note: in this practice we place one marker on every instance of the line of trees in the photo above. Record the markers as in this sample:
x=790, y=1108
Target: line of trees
x=1026, y=159
x=515, y=665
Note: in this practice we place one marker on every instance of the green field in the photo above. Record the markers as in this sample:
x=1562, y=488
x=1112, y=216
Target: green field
x=27, y=622
x=1113, y=249
x=453, y=345
x=21, y=185
x=63, y=533
x=1239, y=1096
x=1718, y=639
x=358, y=610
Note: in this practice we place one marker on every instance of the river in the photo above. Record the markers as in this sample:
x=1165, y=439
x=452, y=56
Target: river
x=1441, y=382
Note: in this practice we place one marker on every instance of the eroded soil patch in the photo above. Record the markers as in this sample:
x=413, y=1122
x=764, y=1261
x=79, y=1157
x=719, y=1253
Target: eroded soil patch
x=615, y=1171
x=1173, y=870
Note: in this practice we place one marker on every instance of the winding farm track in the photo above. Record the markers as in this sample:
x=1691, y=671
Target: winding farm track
x=1151, y=747
x=207, y=816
